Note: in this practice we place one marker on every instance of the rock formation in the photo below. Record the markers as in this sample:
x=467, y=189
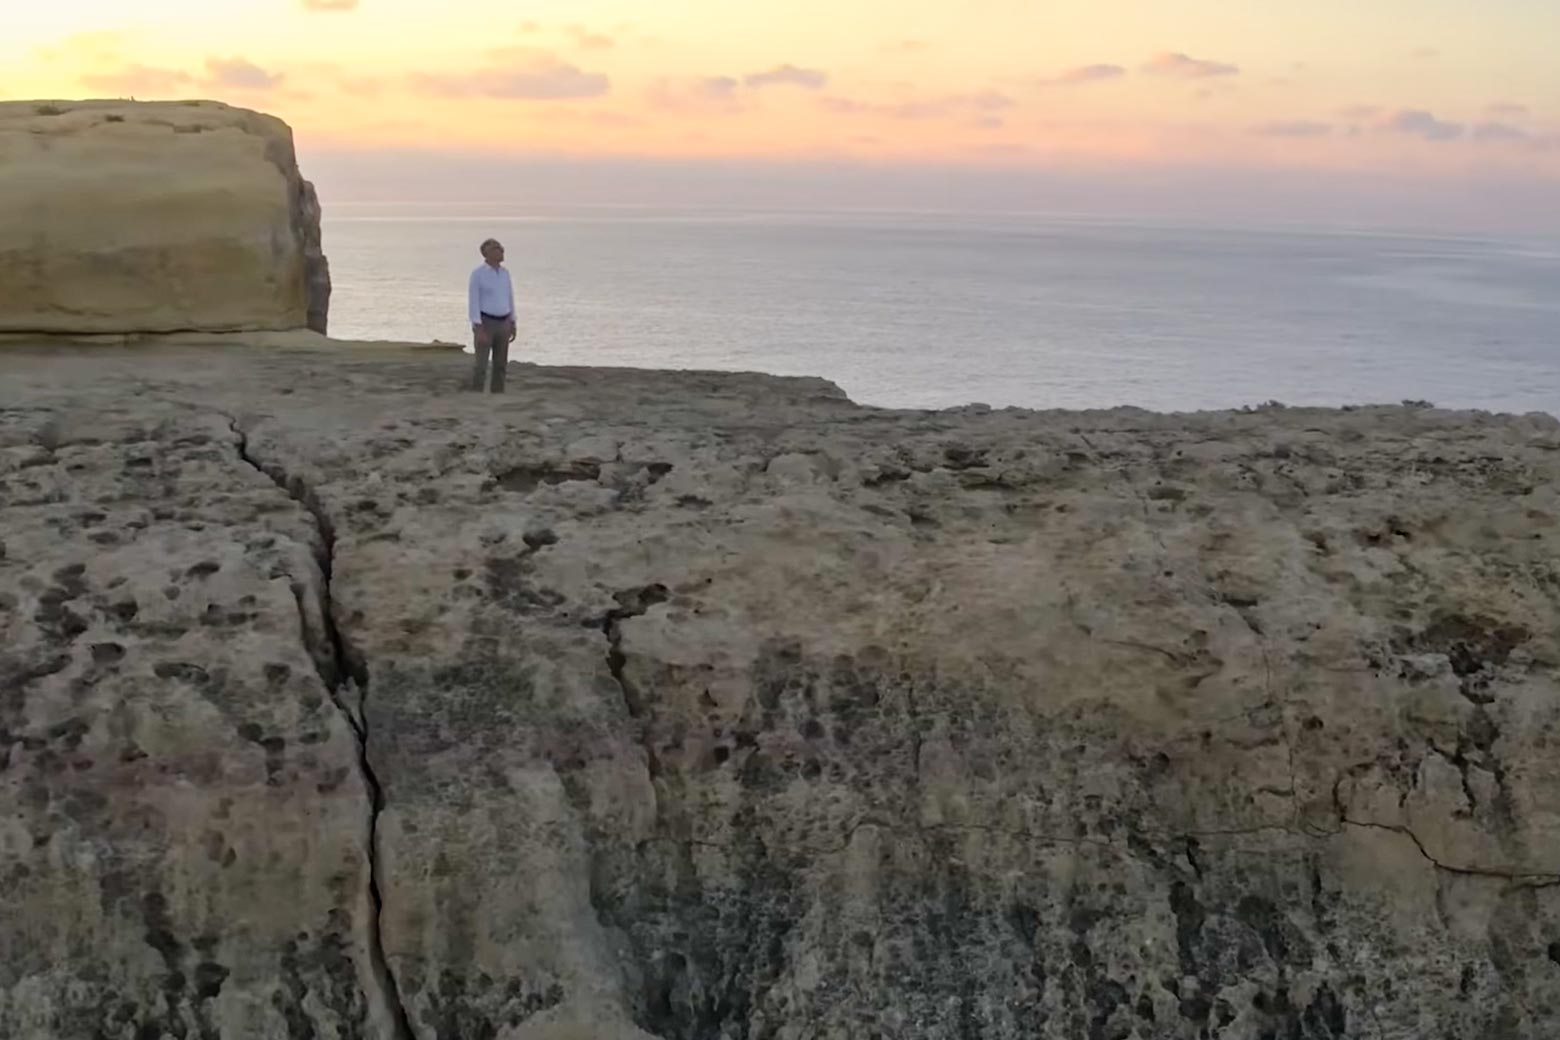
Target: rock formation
x=335, y=703
x=125, y=217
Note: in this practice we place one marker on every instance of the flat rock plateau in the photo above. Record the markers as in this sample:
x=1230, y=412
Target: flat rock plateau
x=336, y=703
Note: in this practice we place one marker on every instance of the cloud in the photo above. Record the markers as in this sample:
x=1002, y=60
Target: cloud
x=985, y=101
x=1499, y=132
x=905, y=46
x=134, y=80
x=1182, y=66
x=846, y=106
x=716, y=87
x=1419, y=123
x=707, y=94
x=221, y=73
x=1507, y=109
x=535, y=77
x=999, y=150
x=1292, y=128
x=978, y=108
x=912, y=110
x=1424, y=53
x=810, y=79
x=1086, y=74
x=239, y=74
x=1360, y=111
x=329, y=5
x=587, y=40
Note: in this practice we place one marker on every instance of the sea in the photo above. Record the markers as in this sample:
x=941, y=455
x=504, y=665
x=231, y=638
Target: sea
x=933, y=310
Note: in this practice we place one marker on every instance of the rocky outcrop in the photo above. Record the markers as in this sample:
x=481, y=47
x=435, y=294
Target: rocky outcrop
x=125, y=217
x=646, y=704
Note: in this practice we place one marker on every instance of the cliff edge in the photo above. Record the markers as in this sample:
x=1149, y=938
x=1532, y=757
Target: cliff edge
x=336, y=703
x=151, y=217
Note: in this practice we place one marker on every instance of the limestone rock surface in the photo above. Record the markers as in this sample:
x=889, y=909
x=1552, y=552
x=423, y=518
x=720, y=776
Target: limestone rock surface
x=640, y=704
x=126, y=217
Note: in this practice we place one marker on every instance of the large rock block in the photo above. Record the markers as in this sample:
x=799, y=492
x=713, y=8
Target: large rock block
x=154, y=217
x=680, y=706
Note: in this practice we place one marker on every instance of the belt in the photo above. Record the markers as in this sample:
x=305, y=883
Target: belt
x=496, y=317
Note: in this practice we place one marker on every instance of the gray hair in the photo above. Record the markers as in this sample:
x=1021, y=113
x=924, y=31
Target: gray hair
x=483, y=248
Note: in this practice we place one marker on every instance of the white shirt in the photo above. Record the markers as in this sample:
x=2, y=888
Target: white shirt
x=491, y=292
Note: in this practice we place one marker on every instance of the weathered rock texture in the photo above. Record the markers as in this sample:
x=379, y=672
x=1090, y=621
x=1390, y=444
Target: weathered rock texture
x=125, y=217
x=643, y=704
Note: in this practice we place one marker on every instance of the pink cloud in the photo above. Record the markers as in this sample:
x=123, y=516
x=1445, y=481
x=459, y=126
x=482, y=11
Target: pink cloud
x=1419, y=123
x=975, y=107
x=1183, y=66
x=717, y=87
x=810, y=79
x=538, y=77
x=329, y=5
x=844, y=106
x=707, y=93
x=985, y=101
x=1507, y=110
x=590, y=41
x=999, y=150
x=1087, y=74
x=1292, y=128
x=239, y=74
x=1499, y=132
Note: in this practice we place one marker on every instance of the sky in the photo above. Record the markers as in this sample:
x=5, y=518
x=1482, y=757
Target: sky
x=1428, y=111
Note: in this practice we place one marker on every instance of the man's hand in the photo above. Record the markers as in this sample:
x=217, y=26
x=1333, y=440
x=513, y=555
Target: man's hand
x=481, y=333
x=513, y=331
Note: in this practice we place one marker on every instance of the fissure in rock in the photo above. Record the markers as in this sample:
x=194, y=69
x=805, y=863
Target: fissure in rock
x=344, y=669
x=631, y=603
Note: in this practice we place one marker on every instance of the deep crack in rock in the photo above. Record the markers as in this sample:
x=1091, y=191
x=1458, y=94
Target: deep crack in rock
x=631, y=603
x=343, y=667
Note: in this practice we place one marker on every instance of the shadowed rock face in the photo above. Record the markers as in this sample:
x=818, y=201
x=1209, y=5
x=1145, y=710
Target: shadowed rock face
x=316, y=269
x=124, y=217
x=704, y=706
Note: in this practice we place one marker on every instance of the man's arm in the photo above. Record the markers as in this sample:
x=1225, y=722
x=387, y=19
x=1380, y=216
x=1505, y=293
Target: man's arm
x=513, y=307
x=474, y=300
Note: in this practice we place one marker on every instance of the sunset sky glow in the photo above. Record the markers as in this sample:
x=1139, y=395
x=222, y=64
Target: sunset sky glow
x=1441, y=92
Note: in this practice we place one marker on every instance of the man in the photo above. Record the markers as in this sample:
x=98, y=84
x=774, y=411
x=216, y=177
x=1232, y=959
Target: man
x=491, y=303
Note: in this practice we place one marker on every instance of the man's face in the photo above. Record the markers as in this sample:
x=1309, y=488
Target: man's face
x=494, y=254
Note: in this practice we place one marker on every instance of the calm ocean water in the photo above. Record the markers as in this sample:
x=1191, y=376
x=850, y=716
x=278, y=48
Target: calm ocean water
x=937, y=310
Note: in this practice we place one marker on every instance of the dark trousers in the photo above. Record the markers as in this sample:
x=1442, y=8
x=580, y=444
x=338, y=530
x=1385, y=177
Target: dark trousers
x=496, y=344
